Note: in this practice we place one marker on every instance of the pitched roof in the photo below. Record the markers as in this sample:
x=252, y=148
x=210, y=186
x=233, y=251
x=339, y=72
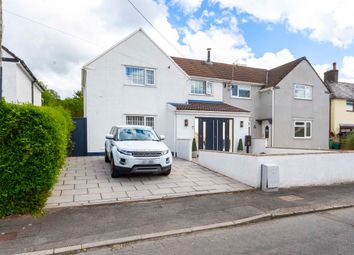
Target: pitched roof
x=223, y=71
x=342, y=90
x=17, y=59
x=208, y=106
x=230, y=72
x=276, y=74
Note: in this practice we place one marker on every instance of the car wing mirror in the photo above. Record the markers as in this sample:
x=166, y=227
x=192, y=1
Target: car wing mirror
x=162, y=137
x=109, y=137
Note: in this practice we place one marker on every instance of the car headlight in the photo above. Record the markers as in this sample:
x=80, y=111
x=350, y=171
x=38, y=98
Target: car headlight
x=164, y=152
x=128, y=153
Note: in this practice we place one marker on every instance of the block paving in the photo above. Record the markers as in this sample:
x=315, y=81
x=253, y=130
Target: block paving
x=87, y=180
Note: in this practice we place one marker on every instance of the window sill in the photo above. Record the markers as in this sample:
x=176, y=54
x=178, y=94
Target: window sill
x=246, y=98
x=142, y=86
x=205, y=95
x=302, y=138
x=306, y=99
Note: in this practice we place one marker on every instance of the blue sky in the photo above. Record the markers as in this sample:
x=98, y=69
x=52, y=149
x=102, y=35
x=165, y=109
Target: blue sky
x=56, y=41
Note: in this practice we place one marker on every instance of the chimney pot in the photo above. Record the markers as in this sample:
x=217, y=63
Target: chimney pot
x=334, y=66
x=208, y=56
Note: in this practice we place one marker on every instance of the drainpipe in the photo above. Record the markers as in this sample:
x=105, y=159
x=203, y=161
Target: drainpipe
x=174, y=135
x=32, y=92
x=273, y=113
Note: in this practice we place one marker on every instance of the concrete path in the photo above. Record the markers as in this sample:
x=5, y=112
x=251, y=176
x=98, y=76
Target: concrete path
x=326, y=233
x=87, y=180
x=62, y=227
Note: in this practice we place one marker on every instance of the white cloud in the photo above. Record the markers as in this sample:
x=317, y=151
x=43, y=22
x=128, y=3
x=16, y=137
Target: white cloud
x=270, y=60
x=321, y=69
x=348, y=67
x=188, y=6
x=327, y=20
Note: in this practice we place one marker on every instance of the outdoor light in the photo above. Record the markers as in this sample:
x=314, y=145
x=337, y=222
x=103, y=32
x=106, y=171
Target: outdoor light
x=186, y=122
x=241, y=124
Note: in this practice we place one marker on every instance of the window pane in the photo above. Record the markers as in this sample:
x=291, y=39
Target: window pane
x=135, y=75
x=300, y=123
x=150, y=122
x=150, y=77
x=350, y=106
x=308, y=129
x=209, y=88
x=198, y=87
x=244, y=92
x=234, y=90
x=134, y=120
x=299, y=91
x=308, y=92
x=299, y=132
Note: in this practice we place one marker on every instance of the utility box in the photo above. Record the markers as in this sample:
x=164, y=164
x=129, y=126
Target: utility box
x=270, y=177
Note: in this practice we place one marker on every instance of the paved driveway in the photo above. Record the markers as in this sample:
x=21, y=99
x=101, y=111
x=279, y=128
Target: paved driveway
x=87, y=180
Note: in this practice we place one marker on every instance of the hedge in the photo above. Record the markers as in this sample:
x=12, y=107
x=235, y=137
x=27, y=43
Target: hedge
x=33, y=148
x=348, y=141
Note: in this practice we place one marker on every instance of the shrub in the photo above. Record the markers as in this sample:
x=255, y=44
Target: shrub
x=194, y=145
x=33, y=146
x=240, y=145
x=348, y=142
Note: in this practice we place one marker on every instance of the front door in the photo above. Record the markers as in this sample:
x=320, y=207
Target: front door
x=214, y=134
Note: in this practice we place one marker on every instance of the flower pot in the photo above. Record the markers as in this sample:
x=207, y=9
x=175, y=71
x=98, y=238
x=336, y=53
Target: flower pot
x=194, y=154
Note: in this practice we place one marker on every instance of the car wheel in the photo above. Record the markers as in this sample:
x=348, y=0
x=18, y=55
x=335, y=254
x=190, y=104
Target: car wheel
x=166, y=173
x=106, y=158
x=114, y=170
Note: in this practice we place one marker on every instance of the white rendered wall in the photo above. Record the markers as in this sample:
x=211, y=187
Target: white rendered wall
x=9, y=82
x=37, y=96
x=309, y=169
x=23, y=86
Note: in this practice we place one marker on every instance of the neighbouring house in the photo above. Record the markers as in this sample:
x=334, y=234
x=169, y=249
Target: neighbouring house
x=19, y=85
x=342, y=103
x=136, y=82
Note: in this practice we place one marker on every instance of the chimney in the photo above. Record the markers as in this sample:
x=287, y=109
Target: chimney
x=208, y=56
x=331, y=75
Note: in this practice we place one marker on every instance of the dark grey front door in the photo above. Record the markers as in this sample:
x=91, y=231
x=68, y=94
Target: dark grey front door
x=214, y=134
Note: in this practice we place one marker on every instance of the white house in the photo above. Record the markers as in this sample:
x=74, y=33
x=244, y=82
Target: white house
x=136, y=82
x=19, y=85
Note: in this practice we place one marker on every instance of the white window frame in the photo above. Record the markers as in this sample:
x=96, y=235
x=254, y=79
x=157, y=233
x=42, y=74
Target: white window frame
x=240, y=87
x=303, y=87
x=352, y=104
x=207, y=87
x=144, y=120
x=145, y=83
x=306, y=136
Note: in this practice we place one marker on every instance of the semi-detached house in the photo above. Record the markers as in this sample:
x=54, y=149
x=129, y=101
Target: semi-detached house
x=136, y=82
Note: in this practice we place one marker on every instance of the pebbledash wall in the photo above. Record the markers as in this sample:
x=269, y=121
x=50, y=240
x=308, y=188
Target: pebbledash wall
x=302, y=168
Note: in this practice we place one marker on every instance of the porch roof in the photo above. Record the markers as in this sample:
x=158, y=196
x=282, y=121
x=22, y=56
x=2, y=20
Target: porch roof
x=207, y=106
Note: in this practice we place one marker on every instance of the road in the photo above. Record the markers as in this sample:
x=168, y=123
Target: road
x=330, y=232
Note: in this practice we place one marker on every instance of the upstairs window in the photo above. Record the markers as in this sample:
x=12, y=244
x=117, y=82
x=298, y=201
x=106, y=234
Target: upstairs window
x=201, y=87
x=302, y=92
x=350, y=106
x=139, y=75
x=302, y=129
x=241, y=91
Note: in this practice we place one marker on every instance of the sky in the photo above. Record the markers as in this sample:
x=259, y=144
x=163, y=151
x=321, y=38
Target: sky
x=57, y=37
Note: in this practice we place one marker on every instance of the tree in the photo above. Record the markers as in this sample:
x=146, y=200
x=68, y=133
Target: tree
x=348, y=141
x=74, y=105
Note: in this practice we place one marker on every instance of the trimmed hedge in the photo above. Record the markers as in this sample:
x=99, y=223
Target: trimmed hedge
x=33, y=148
x=348, y=141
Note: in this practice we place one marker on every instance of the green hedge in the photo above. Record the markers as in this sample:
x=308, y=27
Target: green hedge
x=33, y=147
x=348, y=141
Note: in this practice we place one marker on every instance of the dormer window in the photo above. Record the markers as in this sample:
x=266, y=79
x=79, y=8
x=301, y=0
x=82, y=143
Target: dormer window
x=140, y=76
x=200, y=87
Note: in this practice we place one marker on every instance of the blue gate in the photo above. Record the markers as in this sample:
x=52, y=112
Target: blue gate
x=79, y=137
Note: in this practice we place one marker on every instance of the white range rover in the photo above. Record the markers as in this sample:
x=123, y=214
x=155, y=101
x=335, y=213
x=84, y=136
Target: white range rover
x=136, y=149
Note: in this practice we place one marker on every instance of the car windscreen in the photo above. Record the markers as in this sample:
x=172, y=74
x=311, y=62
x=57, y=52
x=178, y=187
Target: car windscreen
x=136, y=134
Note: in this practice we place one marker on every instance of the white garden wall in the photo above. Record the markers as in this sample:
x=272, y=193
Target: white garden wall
x=304, y=169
